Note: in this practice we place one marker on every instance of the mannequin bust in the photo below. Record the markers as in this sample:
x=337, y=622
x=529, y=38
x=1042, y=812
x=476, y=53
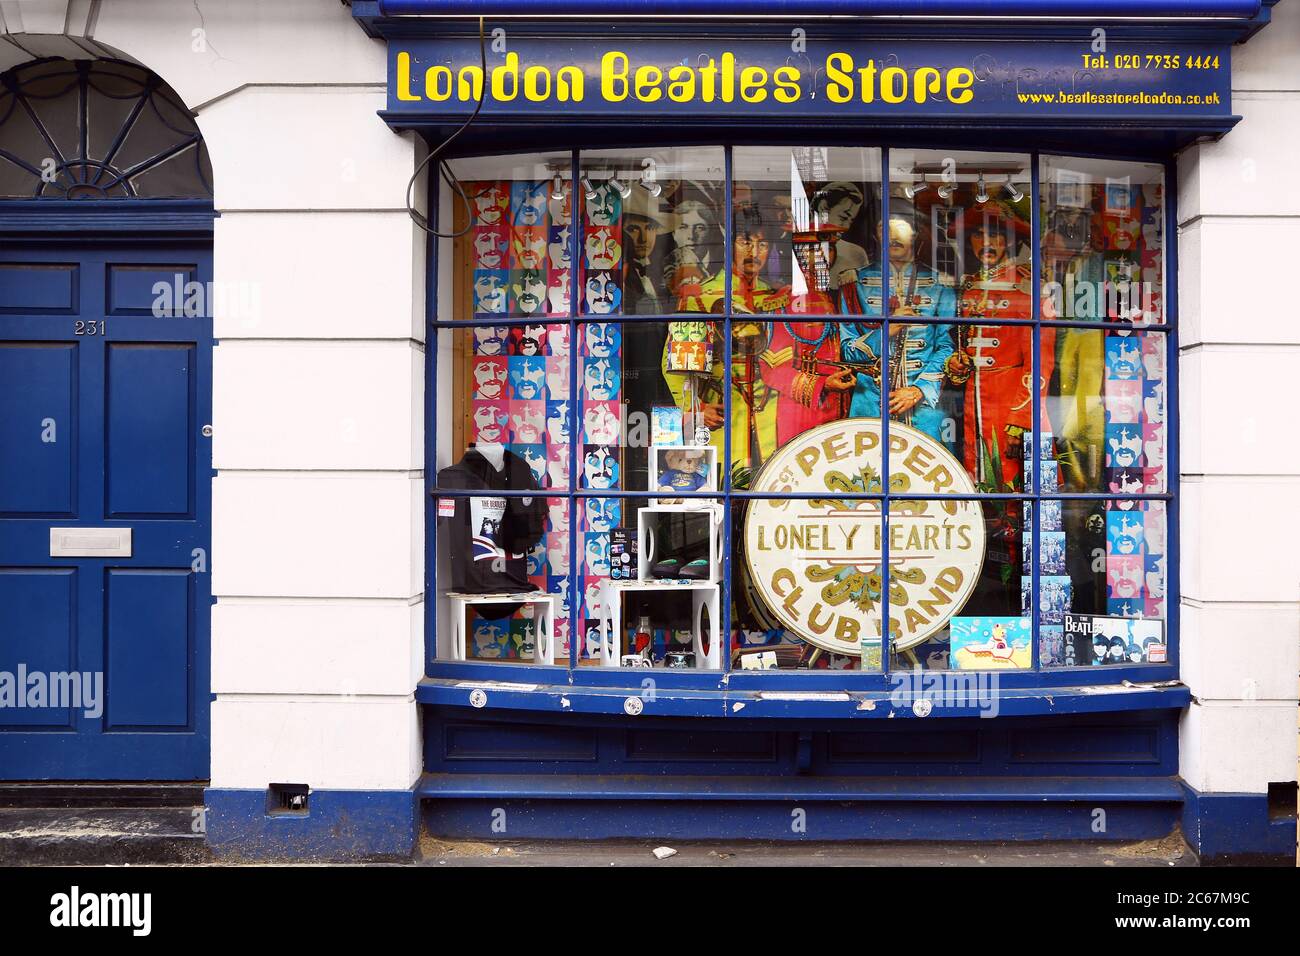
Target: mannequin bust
x=494, y=452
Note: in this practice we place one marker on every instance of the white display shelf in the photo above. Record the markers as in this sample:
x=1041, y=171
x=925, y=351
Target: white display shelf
x=705, y=596
x=543, y=639
x=646, y=545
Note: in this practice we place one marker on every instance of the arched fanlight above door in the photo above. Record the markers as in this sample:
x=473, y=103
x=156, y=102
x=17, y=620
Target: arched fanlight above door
x=97, y=129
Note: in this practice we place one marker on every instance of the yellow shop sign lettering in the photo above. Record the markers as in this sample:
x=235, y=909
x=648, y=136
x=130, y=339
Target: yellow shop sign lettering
x=711, y=79
x=714, y=81
x=506, y=83
x=894, y=84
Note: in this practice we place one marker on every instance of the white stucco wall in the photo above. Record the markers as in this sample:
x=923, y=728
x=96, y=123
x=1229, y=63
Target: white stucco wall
x=1239, y=229
x=318, y=547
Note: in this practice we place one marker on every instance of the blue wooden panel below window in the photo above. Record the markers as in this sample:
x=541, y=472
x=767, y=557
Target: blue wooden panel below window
x=38, y=436
x=1120, y=743
x=37, y=615
x=701, y=744
x=956, y=746
x=149, y=644
x=132, y=289
x=150, y=429
x=477, y=741
x=38, y=287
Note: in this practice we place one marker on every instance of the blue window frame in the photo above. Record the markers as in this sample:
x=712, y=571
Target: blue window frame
x=1034, y=677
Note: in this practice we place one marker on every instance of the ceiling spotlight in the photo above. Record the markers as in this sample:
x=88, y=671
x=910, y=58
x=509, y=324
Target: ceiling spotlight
x=945, y=191
x=1015, y=194
x=911, y=189
x=652, y=187
x=623, y=188
x=588, y=188
x=557, y=188
x=981, y=192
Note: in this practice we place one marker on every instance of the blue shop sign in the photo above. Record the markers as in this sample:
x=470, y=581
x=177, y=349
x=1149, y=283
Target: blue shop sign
x=792, y=77
x=1093, y=9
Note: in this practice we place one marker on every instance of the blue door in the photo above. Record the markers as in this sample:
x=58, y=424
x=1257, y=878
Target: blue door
x=105, y=499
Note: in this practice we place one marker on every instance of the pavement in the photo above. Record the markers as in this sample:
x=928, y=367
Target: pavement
x=76, y=836
x=1169, y=851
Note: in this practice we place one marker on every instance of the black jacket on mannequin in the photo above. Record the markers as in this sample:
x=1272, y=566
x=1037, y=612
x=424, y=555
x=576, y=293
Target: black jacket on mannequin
x=489, y=534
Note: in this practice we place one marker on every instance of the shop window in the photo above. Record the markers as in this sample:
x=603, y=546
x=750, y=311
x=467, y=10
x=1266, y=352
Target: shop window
x=513, y=238
x=651, y=582
x=872, y=428
x=652, y=231
x=980, y=542
x=97, y=129
x=1102, y=240
x=806, y=219
x=1103, y=561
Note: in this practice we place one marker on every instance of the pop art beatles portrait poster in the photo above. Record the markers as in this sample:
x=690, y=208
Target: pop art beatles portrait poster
x=516, y=258
x=517, y=250
x=1134, y=437
x=517, y=254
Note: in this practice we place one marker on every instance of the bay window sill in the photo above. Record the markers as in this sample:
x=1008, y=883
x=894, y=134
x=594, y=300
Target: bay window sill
x=915, y=702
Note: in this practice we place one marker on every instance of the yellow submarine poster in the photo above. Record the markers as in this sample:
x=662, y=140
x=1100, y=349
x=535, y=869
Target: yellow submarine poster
x=990, y=643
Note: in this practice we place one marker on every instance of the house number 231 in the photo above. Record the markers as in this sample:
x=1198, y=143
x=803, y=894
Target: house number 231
x=89, y=328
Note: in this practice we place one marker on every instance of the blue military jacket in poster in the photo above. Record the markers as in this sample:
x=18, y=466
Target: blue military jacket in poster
x=927, y=346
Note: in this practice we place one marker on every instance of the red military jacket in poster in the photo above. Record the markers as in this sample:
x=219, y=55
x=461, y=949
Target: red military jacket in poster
x=795, y=365
x=999, y=391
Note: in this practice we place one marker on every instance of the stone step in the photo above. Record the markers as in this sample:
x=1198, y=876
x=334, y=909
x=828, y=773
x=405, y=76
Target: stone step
x=36, y=836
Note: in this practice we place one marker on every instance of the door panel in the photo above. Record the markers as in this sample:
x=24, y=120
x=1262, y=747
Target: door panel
x=38, y=616
x=38, y=392
x=39, y=287
x=151, y=429
x=103, y=398
x=134, y=289
x=149, y=641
